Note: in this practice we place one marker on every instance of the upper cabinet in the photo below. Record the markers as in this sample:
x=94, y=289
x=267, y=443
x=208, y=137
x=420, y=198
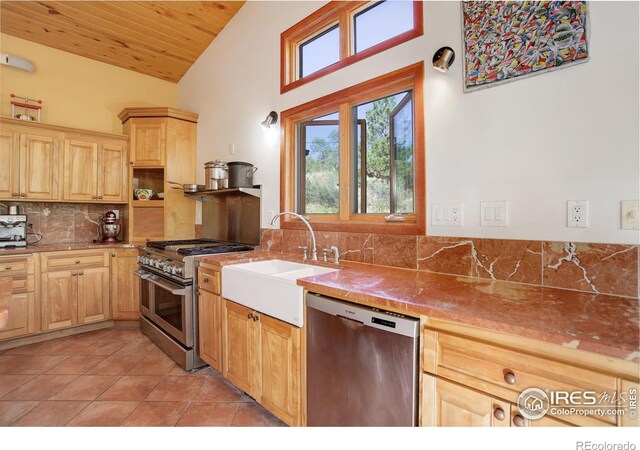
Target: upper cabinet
x=148, y=137
x=49, y=163
x=162, y=144
x=95, y=170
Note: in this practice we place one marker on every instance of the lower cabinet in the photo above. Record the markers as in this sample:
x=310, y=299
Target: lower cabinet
x=75, y=295
x=262, y=356
x=125, y=289
x=18, y=302
x=210, y=328
x=447, y=404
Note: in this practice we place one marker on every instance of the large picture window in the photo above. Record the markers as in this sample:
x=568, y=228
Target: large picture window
x=354, y=159
x=341, y=33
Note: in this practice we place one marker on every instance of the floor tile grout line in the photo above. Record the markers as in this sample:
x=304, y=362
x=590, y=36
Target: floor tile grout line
x=26, y=412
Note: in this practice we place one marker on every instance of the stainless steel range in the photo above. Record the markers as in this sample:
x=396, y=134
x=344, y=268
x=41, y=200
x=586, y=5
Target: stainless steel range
x=231, y=223
x=167, y=300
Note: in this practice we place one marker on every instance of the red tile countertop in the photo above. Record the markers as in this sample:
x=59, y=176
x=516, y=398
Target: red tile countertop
x=35, y=248
x=597, y=323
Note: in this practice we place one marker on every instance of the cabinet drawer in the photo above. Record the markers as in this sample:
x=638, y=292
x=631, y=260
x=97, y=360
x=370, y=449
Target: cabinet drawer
x=16, y=266
x=68, y=260
x=209, y=280
x=506, y=373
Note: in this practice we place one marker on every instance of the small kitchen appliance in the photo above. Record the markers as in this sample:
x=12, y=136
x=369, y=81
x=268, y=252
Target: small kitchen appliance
x=109, y=228
x=13, y=230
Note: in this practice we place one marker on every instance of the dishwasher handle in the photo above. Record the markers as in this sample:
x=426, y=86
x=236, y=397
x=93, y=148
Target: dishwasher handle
x=369, y=317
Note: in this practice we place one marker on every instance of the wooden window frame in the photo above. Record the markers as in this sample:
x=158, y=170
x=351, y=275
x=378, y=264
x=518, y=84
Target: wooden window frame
x=339, y=13
x=411, y=77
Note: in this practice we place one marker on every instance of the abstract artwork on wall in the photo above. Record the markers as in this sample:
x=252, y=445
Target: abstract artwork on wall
x=504, y=41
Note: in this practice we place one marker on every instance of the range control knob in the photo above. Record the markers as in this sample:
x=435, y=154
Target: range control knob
x=178, y=270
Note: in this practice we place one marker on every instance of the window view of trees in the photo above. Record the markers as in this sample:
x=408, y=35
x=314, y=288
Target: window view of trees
x=388, y=155
x=320, y=193
x=383, y=143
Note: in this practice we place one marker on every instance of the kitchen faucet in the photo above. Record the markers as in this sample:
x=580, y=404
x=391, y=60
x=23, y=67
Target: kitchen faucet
x=314, y=251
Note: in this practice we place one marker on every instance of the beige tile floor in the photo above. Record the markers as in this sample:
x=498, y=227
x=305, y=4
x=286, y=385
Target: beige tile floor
x=115, y=377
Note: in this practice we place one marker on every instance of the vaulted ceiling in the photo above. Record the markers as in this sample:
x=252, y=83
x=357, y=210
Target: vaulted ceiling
x=162, y=39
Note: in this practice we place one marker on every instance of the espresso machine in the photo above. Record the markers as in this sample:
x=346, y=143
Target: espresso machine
x=109, y=228
x=13, y=230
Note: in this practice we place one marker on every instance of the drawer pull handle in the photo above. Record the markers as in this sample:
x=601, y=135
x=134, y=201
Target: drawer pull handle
x=249, y=316
x=15, y=194
x=498, y=413
x=77, y=261
x=518, y=420
x=7, y=268
x=23, y=195
x=73, y=274
x=99, y=197
x=93, y=197
x=206, y=280
x=256, y=318
x=510, y=377
x=113, y=255
x=81, y=272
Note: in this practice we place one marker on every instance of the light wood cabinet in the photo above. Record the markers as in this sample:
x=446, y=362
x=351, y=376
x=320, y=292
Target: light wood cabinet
x=210, y=328
x=163, y=148
x=262, y=356
x=30, y=158
x=148, y=142
x=210, y=317
x=50, y=163
x=95, y=170
x=10, y=167
x=75, y=288
x=18, y=302
x=468, y=370
x=125, y=289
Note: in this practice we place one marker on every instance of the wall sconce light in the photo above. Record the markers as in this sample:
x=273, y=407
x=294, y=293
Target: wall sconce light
x=443, y=59
x=271, y=119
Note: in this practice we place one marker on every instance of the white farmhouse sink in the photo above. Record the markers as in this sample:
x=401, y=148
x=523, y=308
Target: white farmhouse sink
x=270, y=287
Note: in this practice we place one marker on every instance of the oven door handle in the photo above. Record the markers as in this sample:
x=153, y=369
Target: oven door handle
x=166, y=286
x=142, y=274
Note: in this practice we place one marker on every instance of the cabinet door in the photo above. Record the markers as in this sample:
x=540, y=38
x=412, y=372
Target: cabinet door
x=93, y=294
x=281, y=374
x=10, y=167
x=80, y=170
x=39, y=167
x=241, y=349
x=112, y=173
x=125, y=288
x=210, y=329
x=148, y=140
x=59, y=299
x=17, y=312
x=448, y=404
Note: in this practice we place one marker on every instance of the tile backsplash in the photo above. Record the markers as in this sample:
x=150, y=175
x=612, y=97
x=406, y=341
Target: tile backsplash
x=596, y=268
x=67, y=223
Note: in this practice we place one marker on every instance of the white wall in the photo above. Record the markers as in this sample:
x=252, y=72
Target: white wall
x=570, y=134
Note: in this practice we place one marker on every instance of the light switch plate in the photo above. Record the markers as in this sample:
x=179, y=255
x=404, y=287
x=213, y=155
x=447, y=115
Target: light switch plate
x=630, y=214
x=446, y=214
x=494, y=214
x=232, y=149
x=578, y=213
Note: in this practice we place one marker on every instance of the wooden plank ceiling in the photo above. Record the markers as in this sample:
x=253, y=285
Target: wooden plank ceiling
x=161, y=39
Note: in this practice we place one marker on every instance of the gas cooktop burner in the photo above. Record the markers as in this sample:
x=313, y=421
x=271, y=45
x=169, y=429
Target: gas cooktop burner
x=181, y=243
x=211, y=250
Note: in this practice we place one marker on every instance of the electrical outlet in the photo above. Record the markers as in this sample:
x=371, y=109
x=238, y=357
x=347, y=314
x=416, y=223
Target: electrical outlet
x=117, y=213
x=494, y=214
x=578, y=213
x=446, y=214
x=630, y=214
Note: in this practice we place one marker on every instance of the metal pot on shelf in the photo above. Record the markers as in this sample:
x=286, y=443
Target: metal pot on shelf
x=241, y=174
x=216, y=175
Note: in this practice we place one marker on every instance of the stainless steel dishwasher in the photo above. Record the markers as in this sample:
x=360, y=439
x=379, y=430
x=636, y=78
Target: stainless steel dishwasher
x=362, y=365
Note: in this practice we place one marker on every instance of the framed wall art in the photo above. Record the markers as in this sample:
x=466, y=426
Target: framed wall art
x=508, y=40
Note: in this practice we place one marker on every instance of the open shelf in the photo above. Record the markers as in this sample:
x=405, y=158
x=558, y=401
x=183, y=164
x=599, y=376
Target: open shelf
x=255, y=191
x=147, y=203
